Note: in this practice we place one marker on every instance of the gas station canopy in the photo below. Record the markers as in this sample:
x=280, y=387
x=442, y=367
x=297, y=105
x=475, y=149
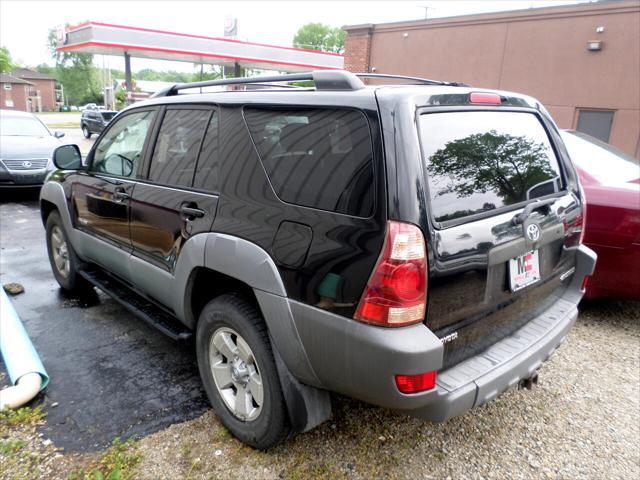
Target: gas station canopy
x=118, y=40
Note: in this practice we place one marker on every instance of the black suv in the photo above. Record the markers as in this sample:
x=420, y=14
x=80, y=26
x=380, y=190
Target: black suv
x=95, y=121
x=417, y=247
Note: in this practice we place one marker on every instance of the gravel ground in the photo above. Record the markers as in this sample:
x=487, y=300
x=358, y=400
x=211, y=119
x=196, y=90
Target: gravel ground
x=581, y=421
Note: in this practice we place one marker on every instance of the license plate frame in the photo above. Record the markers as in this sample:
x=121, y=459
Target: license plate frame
x=524, y=270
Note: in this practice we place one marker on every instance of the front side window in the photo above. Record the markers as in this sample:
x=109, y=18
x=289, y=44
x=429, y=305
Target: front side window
x=176, y=149
x=481, y=161
x=319, y=158
x=119, y=151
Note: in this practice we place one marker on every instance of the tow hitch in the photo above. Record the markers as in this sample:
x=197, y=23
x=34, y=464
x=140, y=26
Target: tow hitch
x=528, y=383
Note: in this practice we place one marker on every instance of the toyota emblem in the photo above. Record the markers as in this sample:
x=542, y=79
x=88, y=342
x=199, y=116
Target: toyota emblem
x=533, y=232
x=26, y=164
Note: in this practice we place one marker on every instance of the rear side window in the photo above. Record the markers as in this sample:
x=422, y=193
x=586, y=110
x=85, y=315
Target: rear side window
x=208, y=164
x=177, y=147
x=319, y=158
x=106, y=116
x=481, y=161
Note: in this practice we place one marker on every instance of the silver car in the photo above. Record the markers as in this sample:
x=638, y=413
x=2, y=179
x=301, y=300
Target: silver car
x=26, y=148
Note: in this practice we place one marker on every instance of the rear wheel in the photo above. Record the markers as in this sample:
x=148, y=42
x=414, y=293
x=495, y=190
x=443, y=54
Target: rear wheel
x=64, y=261
x=86, y=132
x=239, y=373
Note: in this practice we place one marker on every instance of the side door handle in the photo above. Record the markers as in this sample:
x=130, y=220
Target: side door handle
x=190, y=213
x=119, y=195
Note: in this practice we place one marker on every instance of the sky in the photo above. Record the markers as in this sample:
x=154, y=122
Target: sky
x=24, y=24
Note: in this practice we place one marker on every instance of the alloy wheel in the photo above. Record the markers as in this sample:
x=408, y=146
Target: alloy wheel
x=236, y=374
x=60, y=252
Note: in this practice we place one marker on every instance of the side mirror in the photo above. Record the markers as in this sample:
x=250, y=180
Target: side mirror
x=58, y=134
x=67, y=157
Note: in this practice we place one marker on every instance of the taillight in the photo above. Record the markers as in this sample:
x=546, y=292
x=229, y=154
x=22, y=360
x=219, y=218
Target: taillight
x=416, y=383
x=585, y=282
x=582, y=219
x=396, y=293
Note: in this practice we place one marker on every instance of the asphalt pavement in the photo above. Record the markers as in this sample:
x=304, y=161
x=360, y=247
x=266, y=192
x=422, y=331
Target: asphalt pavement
x=111, y=374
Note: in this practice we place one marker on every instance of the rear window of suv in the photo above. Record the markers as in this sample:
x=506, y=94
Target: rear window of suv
x=316, y=157
x=481, y=161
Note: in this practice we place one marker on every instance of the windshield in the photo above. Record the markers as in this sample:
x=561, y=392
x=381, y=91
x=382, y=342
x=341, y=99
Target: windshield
x=603, y=162
x=22, y=127
x=480, y=160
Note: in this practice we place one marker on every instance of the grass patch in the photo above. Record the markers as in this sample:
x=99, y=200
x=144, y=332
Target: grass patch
x=11, y=446
x=118, y=462
x=64, y=125
x=25, y=416
x=58, y=113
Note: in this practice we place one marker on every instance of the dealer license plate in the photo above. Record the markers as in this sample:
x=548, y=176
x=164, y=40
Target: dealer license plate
x=524, y=270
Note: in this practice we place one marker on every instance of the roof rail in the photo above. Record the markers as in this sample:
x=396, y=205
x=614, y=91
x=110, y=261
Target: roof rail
x=425, y=81
x=323, y=79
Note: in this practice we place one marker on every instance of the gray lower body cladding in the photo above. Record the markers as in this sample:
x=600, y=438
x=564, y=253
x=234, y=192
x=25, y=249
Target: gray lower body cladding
x=361, y=360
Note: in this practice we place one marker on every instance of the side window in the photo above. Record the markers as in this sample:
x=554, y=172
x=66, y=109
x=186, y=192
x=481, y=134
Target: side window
x=208, y=163
x=320, y=158
x=119, y=151
x=177, y=147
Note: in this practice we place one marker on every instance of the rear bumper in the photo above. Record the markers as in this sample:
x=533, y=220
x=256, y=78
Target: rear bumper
x=617, y=274
x=361, y=361
x=483, y=377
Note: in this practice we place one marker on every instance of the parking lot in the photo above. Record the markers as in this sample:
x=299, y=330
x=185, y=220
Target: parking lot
x=113, y=376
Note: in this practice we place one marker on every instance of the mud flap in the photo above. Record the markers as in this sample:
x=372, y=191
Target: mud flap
x=308, y=406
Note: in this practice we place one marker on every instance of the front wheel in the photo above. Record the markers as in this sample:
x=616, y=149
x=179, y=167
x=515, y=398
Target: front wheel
x=86, y=132
x=63, y=259
x=239, y=373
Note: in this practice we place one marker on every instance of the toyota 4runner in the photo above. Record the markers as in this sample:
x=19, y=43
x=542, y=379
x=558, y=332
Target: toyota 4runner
x=416, y=246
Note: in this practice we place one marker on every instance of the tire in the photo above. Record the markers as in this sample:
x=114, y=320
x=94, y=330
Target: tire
x=63, y=259
x=86, y=132
x=232, y=318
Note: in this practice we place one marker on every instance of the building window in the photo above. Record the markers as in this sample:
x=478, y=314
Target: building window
x=7, y=86
x=8, y=103
x=596, y=123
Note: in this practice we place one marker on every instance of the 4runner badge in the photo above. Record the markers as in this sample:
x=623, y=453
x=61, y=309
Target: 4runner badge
x=533, y=232
x=449, y=338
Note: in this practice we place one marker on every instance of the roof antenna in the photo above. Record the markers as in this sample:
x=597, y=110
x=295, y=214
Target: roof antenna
x=426, y=11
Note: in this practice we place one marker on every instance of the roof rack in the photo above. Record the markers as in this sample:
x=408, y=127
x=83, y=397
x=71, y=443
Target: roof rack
x=323, y=79
x=424, y=81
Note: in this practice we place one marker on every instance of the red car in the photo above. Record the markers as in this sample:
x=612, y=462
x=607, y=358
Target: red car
x=611, y=183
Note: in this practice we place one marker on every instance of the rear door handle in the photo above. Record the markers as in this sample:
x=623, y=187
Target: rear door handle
x=529, y=209
x=119, y=195
x=191, y=213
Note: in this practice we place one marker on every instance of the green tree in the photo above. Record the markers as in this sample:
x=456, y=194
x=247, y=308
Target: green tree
x=77, y=74
x=6, y=64
x=506, y=164
x=319, y=36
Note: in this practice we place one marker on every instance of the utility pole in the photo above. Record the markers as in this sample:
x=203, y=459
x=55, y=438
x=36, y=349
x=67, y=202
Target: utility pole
x=127, y=76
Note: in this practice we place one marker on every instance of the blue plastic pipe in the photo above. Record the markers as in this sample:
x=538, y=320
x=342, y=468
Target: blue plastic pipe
x=18, y=353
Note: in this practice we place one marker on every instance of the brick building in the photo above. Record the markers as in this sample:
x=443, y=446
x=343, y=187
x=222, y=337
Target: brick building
x=15, y=93
x=47, y=97
x=582, y=61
